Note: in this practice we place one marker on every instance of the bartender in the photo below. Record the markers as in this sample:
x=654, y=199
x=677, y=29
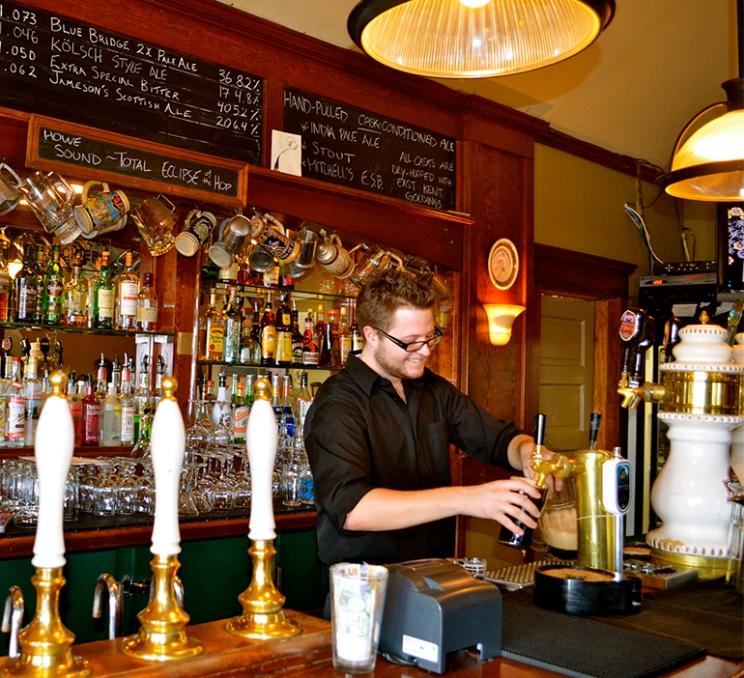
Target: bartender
x=378, y=436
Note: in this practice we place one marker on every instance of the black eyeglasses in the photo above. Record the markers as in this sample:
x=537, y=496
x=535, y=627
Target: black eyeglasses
x=413, y=346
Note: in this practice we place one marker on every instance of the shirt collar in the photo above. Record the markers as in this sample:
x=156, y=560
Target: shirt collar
x=366, y=378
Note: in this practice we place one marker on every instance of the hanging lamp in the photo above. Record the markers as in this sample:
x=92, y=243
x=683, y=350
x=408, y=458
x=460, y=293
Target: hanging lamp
x=476, y=38
x=708, y=159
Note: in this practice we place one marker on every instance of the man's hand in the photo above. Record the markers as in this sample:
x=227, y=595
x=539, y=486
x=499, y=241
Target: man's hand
x=503, y=501
x=521, y=449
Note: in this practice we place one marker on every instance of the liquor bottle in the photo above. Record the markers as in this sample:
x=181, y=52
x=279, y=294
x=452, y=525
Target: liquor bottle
x=75, y=298
x=91, y=416
x=256, y=335
x=221, y=409
x=249, y=382
x=4, y=385
x=214, y=335
x=147, y=305
x=157, y=391
x=357, y=338
x=6, y=284
x=25, y=288
x=287, y=404
x=310, y=354
x=110, y=419
x=101, y=379
x=89, y=274
x=15, y=421
x=233, y=327
x=344, y=337
x=127, y=291
x=240, y=415
x=304, y=399
x=143, y=403
x=103, y=296
x=75, y=400
x=298, y=487
x=268, y=335
x=297, y=338
x=128, y=406
x=116, y=374
x=54, y=283
x=40, y=266
x=247, y=347
x=32, y=392
x=321, y=338
x=332, y=338
x=283, y=324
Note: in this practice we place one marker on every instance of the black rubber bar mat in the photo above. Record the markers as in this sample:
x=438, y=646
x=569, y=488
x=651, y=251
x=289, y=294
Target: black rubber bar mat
x=579, y=646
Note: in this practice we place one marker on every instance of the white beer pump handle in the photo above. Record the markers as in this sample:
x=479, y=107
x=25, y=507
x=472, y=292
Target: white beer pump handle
x=168, y=441
x=55, y=442
x=261, y=441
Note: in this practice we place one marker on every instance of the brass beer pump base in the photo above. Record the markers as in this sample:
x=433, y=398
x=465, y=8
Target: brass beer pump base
x=705, y=566
x=263, y=617
x=45, y=643
x=162, y=636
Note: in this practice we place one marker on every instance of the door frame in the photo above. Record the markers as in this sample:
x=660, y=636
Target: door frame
x=604, y=281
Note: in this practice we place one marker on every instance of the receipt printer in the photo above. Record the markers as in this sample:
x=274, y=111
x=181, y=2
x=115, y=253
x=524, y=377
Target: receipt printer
x=434, y=607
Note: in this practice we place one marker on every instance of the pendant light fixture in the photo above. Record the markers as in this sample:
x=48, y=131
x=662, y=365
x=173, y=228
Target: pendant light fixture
x=708, y=159
x=476, y=38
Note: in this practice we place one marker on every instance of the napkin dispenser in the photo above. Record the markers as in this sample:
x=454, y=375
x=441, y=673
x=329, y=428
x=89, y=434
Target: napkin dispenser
x=434, y=607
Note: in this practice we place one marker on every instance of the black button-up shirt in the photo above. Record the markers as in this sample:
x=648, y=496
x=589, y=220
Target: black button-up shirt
x=360, y=435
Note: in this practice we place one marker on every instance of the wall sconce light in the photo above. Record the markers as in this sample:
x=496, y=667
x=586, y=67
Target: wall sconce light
x=500, y=320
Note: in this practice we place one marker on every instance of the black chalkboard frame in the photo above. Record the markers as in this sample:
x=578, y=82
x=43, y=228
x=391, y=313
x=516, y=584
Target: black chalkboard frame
x=35, y=160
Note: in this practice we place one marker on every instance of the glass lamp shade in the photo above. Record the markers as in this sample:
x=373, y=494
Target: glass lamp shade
x=708, y=158
x=473, y=38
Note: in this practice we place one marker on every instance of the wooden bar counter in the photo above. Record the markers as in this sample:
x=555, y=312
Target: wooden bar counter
x=309, y=654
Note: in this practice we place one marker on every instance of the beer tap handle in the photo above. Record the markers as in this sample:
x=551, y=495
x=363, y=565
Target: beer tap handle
x=595, y=419
x=539, y=434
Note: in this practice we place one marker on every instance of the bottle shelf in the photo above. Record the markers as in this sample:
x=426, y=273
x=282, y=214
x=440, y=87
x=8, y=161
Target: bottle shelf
x=257, y=366
x=67, y=329
x=292, y=291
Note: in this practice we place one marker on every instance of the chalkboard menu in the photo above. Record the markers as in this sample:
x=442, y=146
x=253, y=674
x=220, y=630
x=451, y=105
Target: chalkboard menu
x=55, y=66
x=356, y=148
x=59, y=145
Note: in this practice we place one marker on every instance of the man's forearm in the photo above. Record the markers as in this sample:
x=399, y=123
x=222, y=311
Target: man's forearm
x=383, y=509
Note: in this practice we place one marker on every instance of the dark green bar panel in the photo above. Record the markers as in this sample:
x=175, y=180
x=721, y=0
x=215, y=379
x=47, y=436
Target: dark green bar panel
x=214, y=573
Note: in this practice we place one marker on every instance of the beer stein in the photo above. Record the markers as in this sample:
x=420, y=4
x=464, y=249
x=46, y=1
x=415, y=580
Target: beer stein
x=232, y=235
x=155, y=218
x=260, y=260
x=9, y=194
x=334, y=258
x=374, y=261
x=274, y=238
x=197, y=227
x=101, y=212
x=50, y=198
x=308, y=244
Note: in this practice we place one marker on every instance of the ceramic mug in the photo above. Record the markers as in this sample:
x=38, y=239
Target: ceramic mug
x=374, y=261
x=155, y=218
x=197, y=227
x=101, y=212
x=9, y=193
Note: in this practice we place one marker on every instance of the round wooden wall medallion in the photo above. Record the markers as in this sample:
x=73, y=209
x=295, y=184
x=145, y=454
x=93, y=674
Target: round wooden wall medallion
x=503, y=264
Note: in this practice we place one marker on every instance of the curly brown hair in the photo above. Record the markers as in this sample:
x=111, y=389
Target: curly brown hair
x=386, y=292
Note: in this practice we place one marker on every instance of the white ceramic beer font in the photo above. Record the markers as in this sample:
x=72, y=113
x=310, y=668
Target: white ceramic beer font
x=261, y=441
x=162, y=635
x=45, y=643
x=263, y=616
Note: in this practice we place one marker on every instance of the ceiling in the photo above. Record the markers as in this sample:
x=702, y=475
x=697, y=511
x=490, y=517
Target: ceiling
x=657, y=64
